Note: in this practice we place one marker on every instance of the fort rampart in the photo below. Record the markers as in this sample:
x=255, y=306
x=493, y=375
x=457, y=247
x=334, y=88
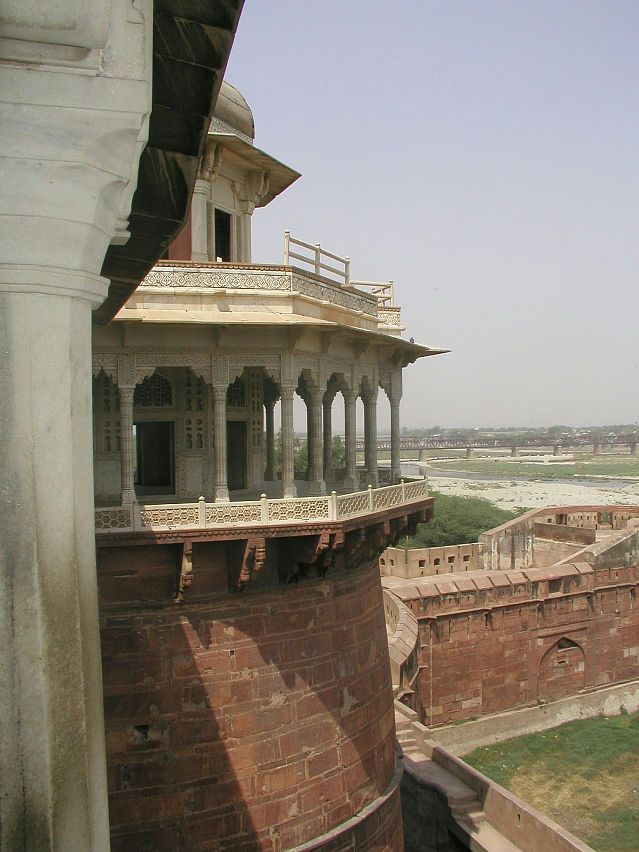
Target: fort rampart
x=551, y=613
x=248, y=699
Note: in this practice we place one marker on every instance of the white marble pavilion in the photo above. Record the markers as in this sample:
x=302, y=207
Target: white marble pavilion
x=188, y=377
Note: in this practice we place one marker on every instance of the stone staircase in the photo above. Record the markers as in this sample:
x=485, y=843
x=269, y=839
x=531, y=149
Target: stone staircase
x=469, y=822
x=405, y=734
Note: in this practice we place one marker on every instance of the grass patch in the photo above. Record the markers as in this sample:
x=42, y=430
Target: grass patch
x=584, y=775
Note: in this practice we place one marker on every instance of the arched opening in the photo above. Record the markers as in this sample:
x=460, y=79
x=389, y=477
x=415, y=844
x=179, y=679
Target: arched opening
x=334, y=415
x=237, y=433
x=384, y=434
x=154, y=436
x=562, y=670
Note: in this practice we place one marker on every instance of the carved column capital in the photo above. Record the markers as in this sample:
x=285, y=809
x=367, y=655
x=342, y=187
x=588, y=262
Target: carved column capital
x=75, y=101
x=251, y=193
x=210, y=164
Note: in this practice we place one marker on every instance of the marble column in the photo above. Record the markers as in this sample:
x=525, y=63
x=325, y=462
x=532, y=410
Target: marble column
x=221, y=486
x=126, y=394
x=327, y=421
x=316, y=484
x=350, y=435
x=208, y=485
x=199, y=221
x=269, y=422
x=288, y=470
x=255, y=425
x=370, y=438
x=75, y=98
x=395, y=458
x=309, y=434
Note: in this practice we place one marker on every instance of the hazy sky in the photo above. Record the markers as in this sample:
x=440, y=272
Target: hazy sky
x=484, y=156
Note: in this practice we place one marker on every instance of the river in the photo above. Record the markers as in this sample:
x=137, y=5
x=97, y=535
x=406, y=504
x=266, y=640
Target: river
x=519, y=491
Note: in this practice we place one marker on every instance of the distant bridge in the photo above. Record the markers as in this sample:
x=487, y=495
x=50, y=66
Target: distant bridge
x=597, y=442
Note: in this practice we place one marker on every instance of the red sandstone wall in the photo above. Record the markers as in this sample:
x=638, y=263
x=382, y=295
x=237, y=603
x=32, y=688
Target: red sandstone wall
x=258, y=720
x=485, y=661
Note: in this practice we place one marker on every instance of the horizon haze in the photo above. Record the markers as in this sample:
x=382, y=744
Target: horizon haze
x=483, y=156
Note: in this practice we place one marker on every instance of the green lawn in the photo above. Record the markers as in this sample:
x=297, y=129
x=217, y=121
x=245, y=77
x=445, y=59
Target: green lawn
x=584, y=468
x=584, y=775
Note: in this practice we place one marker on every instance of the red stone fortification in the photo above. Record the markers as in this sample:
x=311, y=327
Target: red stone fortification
x=492, y=640
x=255, y=719
x=536, y=648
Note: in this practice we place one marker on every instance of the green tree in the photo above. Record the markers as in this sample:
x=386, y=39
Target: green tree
x=300, y=459
x=338, y=451
x=458, y=520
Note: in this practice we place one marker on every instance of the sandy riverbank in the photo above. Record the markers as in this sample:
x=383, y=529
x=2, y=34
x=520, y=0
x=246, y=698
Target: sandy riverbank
x=532, y=495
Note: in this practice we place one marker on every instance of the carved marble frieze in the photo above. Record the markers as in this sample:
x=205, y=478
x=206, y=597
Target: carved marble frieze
x=241, y=278
x=222, y=366
x=335, y=295
x=203, y=278
x=390, y=316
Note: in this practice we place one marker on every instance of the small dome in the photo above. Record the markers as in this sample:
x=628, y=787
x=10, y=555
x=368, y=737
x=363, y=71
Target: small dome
x=232, y=109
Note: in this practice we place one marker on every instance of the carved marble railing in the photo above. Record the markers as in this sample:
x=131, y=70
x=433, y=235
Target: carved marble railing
x=203, y=515
x=223, y=276
x=383, y=475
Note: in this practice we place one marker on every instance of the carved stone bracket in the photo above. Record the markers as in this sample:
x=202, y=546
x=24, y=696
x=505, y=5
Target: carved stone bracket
x=252, y=561
x=251, y=194
x=186, y=571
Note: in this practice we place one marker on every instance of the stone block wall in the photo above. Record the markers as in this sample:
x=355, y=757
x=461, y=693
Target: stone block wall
x=496, y=651
x=410, y=563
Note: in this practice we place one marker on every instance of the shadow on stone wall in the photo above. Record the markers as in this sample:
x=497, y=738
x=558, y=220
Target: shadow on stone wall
x=427, y=818
x=254, y=720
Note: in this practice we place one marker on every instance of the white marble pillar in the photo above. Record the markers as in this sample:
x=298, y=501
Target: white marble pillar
x=208, y=485
x=199, y=221
x=255, y=460
x=243, y=249
x=126, y=442
x=221, y=489
x=288, y=470
x=395, y=440
x=316, y=484
x=74, y=104
x=269, y=420
x=309, y=435
x=370, y=438
x=327, y=420
x=350, y=435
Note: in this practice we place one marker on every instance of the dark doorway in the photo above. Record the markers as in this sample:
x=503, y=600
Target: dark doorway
x=155, y=457
x=236, y=454
x=222, y=236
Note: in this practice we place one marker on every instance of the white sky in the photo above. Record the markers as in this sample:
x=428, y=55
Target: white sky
x=484, y=156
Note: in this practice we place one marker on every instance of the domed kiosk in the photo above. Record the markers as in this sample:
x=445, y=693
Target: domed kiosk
x=232, y=113
x=234, y=178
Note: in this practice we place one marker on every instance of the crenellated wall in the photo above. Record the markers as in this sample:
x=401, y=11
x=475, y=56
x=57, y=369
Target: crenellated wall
x=503, y=637
x=423, y=562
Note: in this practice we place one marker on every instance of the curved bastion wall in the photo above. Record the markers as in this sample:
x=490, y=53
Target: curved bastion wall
x=254, y=720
